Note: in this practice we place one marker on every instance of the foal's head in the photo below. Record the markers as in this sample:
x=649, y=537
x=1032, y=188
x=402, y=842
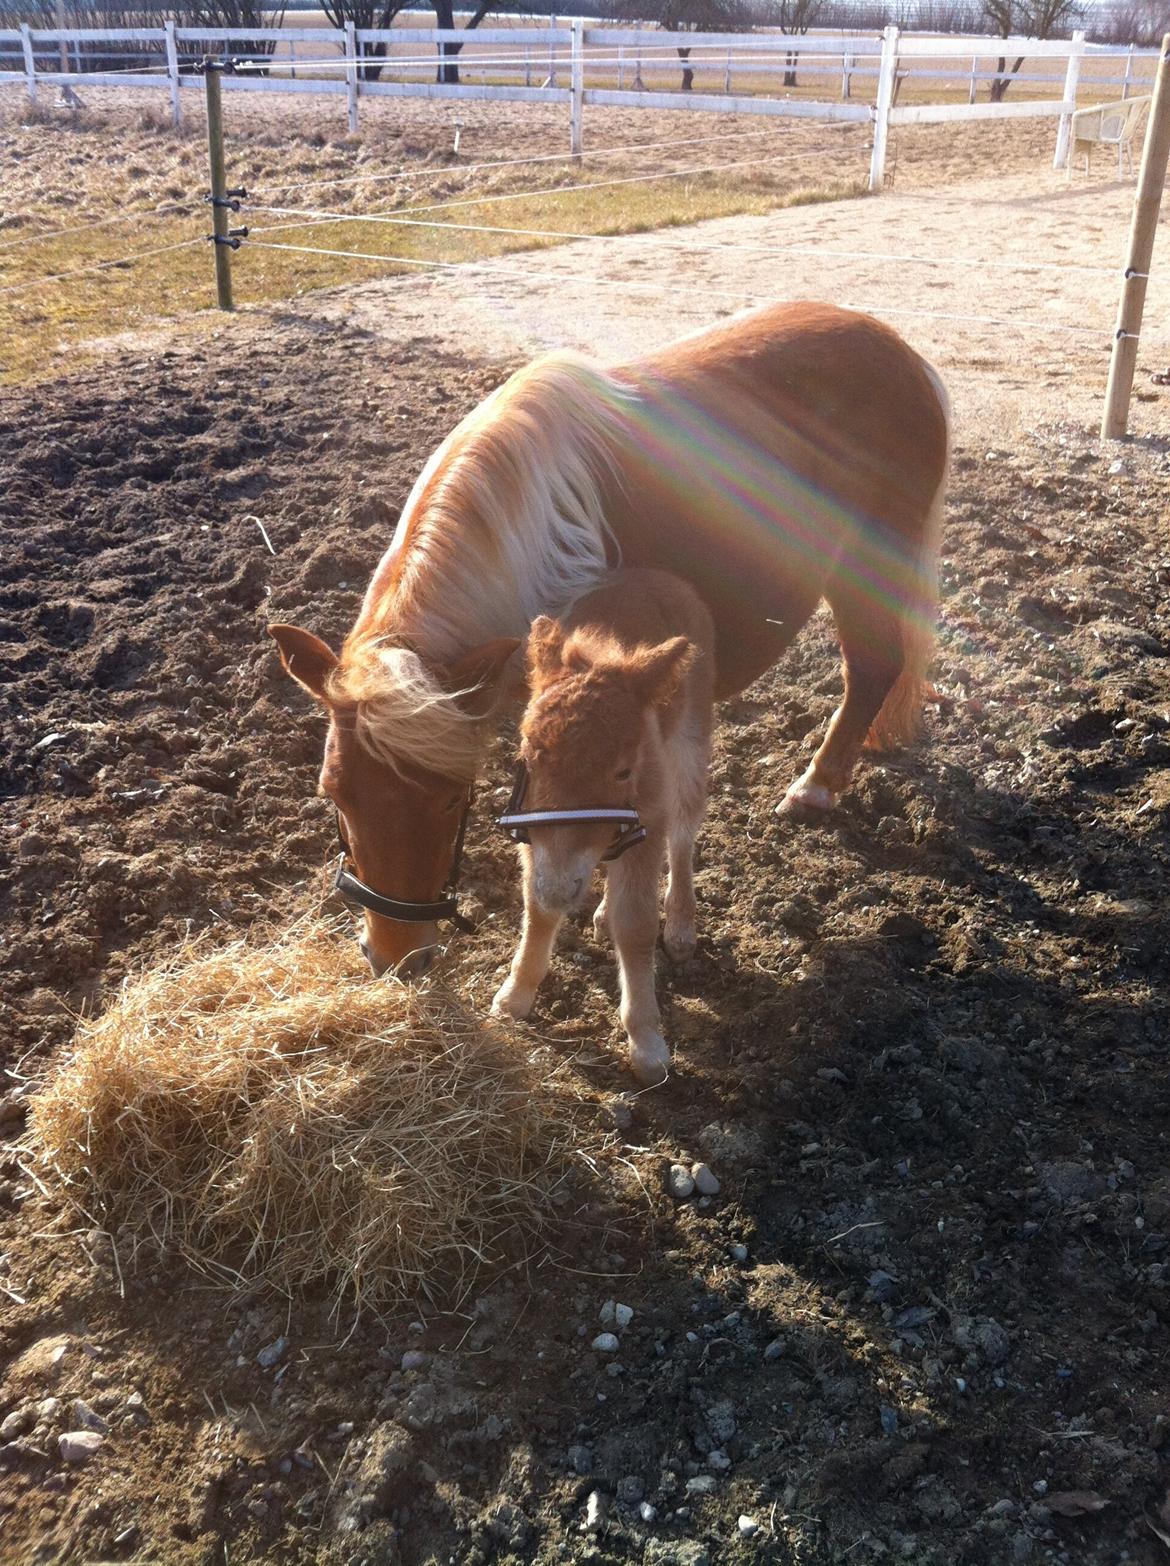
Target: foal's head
x=587, y=742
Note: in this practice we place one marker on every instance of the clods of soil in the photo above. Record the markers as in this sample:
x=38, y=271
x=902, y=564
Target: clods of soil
x=921, y=1049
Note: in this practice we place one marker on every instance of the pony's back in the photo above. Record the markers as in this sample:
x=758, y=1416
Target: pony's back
x=642, y=607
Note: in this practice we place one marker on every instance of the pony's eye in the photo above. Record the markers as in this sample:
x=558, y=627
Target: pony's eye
x=623, y=774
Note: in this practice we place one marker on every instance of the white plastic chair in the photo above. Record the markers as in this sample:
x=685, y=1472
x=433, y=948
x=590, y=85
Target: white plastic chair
x=1107, y=125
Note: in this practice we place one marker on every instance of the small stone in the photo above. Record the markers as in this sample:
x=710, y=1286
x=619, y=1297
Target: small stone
x=127, y=1536
x=630, y=1489
x=648, y=1513
x=775, y=1349
x=606, y=1313
x=705, y=1181
x=748, y=1527
x=415, y=1359
x=739, y=1253
x=701, y=1484
x=622, y=1315
x=47, y=1410
x=15, y=1424
x=78, y=1446
x=719, y=1461
x=889, y=1419
x=85, y=1418
x=272, y=1354
x=580, y=1460
x=680, y=1183
x=595, y=1509
x=605, y=1343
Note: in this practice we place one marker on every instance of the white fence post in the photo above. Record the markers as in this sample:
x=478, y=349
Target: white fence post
x=1128, y=73
x=846, y=77
x=577, y=85
x=173, y=75
x=351, y=76
x=887, y=78
x=973, y=89
x=1071, y=77
x=30, y=62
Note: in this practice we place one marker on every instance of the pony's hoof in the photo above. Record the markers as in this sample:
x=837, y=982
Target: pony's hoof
x=509, y=1001
x=680, y=944
x=650, y=1063
x=806, y=798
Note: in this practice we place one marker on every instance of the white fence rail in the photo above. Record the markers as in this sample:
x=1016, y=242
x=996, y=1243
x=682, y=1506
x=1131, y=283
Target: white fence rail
x=556, y=64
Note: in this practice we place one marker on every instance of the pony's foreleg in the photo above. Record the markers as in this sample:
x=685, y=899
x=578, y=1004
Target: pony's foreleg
x=632, y=899
x=691, y=764
x=601, y=915
x=516, y=995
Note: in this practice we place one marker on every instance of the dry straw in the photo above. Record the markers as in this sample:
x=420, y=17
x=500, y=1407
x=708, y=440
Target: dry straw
x=278, y=1119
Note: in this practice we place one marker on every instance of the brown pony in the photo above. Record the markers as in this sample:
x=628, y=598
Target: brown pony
x=793, y=454
x=620, y=715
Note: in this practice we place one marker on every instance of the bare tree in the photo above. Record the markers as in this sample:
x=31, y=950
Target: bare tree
x=1026, y=18
x=688, y=16
x=1141, y=22
x=793, y=17
x=381, y=13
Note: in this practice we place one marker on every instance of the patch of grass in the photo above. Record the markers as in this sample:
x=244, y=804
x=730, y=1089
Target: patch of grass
x=47, y=325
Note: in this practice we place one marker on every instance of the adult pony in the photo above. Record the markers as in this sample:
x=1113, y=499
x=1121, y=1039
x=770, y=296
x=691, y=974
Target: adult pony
x=795, y=453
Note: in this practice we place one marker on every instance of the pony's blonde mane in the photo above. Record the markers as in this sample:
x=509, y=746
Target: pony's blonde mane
x=505, y=522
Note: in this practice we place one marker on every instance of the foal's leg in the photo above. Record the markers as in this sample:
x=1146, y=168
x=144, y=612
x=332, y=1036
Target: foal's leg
x=516, y=995
x=601, y=914
x=871, y=647
x=690, y=760
x=633, y=920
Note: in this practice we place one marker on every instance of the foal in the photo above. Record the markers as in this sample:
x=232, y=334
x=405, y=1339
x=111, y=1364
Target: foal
x=618, y=720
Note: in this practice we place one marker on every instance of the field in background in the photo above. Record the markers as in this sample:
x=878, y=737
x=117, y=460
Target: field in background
x=118, y=163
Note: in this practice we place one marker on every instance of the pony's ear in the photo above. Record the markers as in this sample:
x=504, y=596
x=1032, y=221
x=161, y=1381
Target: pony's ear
x=657, y=672
x=305, y=657
x=546, y=642
x=476, y=675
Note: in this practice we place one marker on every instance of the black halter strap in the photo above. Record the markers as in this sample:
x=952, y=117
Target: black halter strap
x=516, y=820
x=445, y=907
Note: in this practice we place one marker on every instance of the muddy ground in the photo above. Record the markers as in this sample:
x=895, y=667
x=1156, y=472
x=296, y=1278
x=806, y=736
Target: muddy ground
x=922, y=1046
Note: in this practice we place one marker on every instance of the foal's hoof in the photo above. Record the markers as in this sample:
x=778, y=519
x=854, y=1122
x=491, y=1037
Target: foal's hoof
x=650, y=1062
x=807, y=799
x=680, y=944
x=510, y=1001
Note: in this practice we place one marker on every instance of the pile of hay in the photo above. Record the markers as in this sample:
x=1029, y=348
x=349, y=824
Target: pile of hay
x=278, y=1118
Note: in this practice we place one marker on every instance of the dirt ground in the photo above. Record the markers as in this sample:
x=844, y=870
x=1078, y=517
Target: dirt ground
x=922, y=1046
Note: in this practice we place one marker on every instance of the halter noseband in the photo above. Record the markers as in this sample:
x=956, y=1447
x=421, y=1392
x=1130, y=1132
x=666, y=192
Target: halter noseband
x=516, y=820
x=445, y=907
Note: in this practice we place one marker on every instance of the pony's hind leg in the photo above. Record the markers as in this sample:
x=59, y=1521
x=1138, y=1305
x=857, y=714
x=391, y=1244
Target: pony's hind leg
x=515, y=997
x=632, y=899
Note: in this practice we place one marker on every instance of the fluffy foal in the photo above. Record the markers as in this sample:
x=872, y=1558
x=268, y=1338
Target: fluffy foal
x=619, y=716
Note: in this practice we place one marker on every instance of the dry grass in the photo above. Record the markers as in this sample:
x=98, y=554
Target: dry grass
x=276, y=1120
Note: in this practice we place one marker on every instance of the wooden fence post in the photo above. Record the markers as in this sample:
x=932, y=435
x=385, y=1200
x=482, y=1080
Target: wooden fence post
x=577, y=85
x=63, y=47
x=351, y=75
x=887, y=77
x=30, y=62
x=219, y=195
x=173, y=74
x=1155, y=156
x=1071, y=77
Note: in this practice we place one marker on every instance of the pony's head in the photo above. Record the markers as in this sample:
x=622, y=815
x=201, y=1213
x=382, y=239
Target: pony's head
x=401, y=754
x=584, y=744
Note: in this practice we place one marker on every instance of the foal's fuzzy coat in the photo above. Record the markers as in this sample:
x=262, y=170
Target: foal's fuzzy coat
x=619, y=715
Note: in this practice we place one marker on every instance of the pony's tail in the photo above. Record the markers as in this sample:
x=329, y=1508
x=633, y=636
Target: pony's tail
x=900, y=718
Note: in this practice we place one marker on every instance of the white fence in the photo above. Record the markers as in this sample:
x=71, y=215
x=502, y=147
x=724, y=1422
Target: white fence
x=557, y=64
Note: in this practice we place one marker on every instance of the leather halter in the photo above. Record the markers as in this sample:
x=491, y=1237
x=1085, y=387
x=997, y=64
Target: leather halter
x=445, y=906
x=516, y=820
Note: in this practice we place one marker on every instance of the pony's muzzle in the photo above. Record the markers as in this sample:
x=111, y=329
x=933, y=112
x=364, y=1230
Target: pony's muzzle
x=411, y=965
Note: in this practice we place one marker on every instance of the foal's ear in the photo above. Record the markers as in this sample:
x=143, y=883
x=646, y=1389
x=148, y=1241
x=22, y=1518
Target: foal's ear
x=546, y=643
x=305, y=657
x=478, y=674
x=657, y=672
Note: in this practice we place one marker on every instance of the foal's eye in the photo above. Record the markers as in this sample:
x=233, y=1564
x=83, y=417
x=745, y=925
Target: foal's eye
x=623, y=774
